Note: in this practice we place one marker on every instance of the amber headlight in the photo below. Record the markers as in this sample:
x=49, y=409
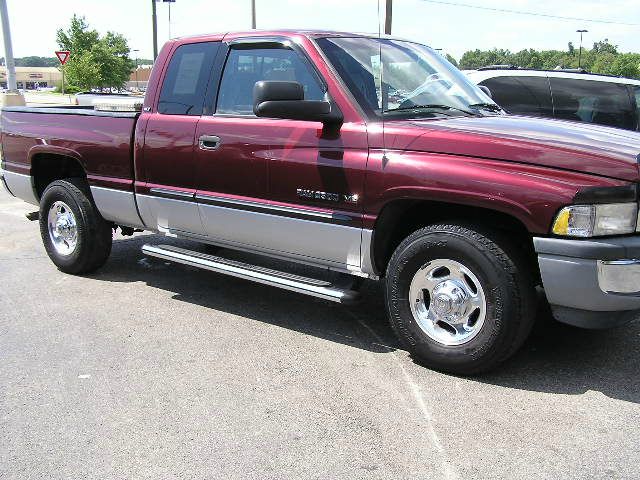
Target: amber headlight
x=596, y=220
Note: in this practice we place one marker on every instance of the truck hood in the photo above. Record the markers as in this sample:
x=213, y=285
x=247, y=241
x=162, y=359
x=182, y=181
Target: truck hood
x=580, y=147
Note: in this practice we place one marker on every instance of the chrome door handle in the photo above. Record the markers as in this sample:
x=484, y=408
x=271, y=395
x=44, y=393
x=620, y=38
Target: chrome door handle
x=209, y=142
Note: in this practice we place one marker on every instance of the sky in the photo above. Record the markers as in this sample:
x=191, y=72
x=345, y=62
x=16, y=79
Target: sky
x=455, y=29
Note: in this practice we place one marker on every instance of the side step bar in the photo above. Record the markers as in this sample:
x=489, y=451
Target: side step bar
x=267, y=276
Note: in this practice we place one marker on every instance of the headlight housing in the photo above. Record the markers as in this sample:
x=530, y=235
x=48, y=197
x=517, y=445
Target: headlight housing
x=597, y=220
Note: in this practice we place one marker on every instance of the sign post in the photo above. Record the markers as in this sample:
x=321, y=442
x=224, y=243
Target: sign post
x=63, y=56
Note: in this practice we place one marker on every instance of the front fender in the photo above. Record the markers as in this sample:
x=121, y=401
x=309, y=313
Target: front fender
x=531, y=194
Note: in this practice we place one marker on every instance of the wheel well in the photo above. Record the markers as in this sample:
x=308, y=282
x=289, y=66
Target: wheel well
x=46, y=168
x=401, y=218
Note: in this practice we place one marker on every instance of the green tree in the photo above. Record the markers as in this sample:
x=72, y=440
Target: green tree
x=96, y=61
x=604, y=57
x=621, y=65
x=84, y=72
x=35, y=61
x=605, y=47
x=77, y=38
x=451, y=59
x=479, y=58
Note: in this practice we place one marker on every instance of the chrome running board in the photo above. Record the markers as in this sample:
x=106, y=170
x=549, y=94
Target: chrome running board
x=267, y=276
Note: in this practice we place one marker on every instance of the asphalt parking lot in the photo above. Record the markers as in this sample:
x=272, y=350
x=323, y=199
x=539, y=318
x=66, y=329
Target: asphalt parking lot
x=150, y=370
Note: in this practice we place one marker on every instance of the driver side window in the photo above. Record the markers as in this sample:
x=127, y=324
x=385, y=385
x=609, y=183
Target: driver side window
x=245, y=67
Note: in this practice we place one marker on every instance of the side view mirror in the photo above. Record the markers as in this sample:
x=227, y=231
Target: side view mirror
x=486, y=90
x=281, y=99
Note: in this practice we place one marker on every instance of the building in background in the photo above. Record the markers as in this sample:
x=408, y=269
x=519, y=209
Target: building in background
x=139, y=78
x=31, y=78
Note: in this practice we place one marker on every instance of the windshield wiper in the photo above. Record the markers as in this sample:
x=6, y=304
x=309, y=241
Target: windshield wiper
x=492, y=107
x=433, y=106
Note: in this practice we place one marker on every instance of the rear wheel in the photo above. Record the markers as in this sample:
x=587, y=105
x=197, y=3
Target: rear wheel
x=460, y=300
x=75, y=236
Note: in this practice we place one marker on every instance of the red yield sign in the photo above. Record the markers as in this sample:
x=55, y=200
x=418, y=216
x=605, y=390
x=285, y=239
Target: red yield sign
x=63, y=56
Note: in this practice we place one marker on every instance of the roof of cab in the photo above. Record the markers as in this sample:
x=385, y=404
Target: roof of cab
x=279, y=32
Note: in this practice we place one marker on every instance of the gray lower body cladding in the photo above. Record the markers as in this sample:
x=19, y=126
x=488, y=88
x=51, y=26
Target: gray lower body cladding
x=591, y=283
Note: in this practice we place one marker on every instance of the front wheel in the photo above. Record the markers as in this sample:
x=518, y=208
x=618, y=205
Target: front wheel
x=75, y=236
x=458, y=299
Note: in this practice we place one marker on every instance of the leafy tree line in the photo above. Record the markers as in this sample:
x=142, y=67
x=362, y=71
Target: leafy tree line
x=33, y=61
x=604, y=57
x=97, y=61
x=37, y=61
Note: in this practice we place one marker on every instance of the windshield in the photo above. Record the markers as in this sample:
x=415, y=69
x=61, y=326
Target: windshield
x=411, y=80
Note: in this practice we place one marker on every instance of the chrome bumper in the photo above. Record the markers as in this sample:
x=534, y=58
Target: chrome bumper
x=591, y=283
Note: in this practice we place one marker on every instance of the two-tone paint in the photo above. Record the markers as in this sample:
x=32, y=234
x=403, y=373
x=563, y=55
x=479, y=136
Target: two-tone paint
x=148, y=171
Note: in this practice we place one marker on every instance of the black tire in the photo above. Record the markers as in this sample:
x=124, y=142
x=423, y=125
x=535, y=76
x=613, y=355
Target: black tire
x=94, y=234
x=505, y=279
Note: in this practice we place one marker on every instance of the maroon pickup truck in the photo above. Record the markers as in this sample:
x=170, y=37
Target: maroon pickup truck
x=368, y=157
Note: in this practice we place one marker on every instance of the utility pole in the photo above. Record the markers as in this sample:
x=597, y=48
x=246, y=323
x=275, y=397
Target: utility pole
x=154, y=20
x=136, y=50
x=12, y=97
x=253, y=14
x=387, y=17
x=580, y=52
x=169, y=1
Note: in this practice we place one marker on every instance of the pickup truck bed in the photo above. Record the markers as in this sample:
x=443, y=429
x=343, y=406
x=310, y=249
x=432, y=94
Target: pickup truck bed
x=99, y=141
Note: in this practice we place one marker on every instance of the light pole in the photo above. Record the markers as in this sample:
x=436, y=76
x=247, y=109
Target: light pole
x=169, y=2
x=12, y=96
x=387, y=16
x=137, y=50
x=154, y=21
x=580, y=52
x=253, y=14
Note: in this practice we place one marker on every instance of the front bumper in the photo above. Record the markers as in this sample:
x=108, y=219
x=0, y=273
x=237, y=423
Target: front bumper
x=591, y=283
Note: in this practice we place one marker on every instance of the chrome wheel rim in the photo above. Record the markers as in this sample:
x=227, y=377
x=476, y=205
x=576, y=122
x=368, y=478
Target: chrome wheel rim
x=448, y=302
x=63, y=229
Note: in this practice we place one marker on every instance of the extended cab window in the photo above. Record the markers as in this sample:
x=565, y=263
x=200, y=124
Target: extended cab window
x=521, y=95
x=245, y=67
x=592, y=101
x=186, y=79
